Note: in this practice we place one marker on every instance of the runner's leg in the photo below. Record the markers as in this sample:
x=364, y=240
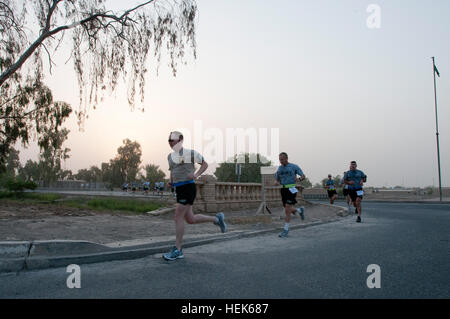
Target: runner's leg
x=358, y=205
x=192, y=218
x=180, y=213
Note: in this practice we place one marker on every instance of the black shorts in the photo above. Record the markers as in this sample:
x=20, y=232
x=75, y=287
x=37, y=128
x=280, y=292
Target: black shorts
x=345, y=191
x=353, y=195
x=287, y=197
x=186, y=194
x=331, y=193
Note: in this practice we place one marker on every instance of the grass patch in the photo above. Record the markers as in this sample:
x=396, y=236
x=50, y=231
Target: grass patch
x=113, y=204
x=30, y=197
x=136, y=206
x=96, y=203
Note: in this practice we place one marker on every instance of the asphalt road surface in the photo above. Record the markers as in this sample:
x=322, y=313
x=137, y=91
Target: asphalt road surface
x=409, y=242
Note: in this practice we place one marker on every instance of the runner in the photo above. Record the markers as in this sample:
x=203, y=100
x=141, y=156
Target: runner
x=182, y=177
x=331, y=189
x=355, y=179
x=345, y=192
x=286, y=176
x=146, y=187
x=161, y=188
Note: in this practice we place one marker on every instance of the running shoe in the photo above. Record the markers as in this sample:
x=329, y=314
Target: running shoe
x=221, y=222
x=174, y=254
x=301, y=212
x=358, y=219
x=284, y=233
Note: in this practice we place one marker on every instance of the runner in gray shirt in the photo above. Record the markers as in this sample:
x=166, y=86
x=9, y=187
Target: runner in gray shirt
x=182, y=177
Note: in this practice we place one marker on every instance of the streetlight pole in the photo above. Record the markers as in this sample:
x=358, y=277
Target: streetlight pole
x=437, y=131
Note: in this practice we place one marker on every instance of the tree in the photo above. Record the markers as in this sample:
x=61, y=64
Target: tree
x=111, y=173
x=250, y=172
x=107, y=48
x=30, y=171
x=153, y=173
x=128, y=159
x=51, y=158
x=12, y=162
x=93, y=174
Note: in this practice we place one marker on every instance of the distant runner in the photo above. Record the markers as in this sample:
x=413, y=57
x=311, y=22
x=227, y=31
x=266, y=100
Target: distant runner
x=286, y=176
x=182, y=177
x=355, y=180
x=161, y=188
x=331, y=189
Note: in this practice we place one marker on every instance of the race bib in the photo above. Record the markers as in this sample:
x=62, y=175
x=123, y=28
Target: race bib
x=360, y=193
x=293, y=190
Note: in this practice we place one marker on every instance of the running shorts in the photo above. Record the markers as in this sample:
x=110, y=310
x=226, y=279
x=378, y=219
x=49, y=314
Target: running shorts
x=186, y=194
x=287, y=197
x=331, y=193
x=353, y=194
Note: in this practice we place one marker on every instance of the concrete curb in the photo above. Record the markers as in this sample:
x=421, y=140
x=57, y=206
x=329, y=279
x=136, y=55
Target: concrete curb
x=392, y=201
x=21, y=256
x=405, y=201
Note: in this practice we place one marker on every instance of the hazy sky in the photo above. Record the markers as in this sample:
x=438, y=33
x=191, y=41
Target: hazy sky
x=336, y=89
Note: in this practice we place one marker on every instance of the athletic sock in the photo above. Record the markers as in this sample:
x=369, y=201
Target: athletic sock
x=286, y=226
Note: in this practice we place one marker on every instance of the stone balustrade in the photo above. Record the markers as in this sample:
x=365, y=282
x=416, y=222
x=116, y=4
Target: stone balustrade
x=214, y=196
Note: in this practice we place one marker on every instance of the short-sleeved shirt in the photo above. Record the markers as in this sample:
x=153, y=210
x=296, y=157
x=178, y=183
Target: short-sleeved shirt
x=330, y=183
x=287, y=175
x=182, y=163
x=355, y=176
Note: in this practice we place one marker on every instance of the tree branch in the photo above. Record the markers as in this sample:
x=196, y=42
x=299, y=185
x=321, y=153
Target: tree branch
x=47, y=33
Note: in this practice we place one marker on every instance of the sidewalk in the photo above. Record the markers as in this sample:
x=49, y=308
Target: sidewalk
x=53, y=239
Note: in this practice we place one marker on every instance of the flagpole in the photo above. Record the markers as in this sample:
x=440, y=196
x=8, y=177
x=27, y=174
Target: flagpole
x=437, y=131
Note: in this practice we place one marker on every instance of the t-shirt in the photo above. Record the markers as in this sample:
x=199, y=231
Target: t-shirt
x=330, y=183
x=182, y=164
x=355, y=176
x=286, y=175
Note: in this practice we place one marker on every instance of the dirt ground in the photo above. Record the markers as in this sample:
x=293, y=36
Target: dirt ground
x=21, y=221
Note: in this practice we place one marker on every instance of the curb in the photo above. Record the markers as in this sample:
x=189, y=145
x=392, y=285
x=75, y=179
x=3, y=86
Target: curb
x=22, y=256
x=405, y=201
x=393, y=201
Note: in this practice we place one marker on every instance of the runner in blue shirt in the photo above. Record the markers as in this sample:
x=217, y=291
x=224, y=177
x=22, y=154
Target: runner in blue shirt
x=355, y=180
x=331, y=189
x=286, y=176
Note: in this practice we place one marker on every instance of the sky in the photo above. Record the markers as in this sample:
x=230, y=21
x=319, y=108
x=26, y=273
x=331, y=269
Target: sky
x=336, y=89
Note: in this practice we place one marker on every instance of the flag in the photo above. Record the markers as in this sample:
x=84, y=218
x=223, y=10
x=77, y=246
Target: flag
x=437, y=72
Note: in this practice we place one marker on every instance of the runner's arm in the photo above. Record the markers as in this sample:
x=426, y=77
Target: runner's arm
x=169, y=184
x=200, y=171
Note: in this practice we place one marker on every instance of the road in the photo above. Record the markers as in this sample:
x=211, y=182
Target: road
x=409, y=242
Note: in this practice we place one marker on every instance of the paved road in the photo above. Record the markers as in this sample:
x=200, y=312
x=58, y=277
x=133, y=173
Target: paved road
x=410, y=243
